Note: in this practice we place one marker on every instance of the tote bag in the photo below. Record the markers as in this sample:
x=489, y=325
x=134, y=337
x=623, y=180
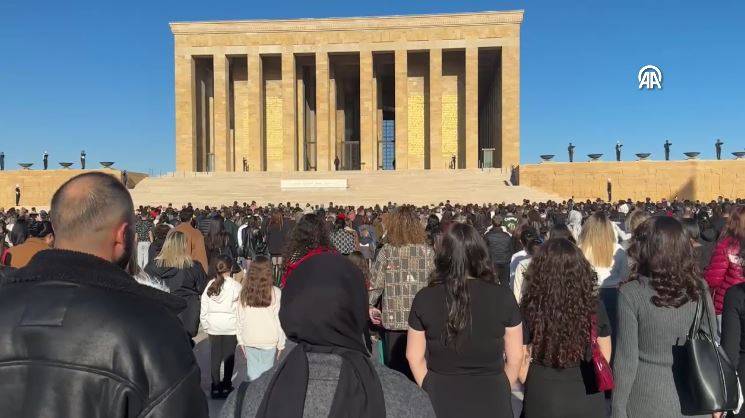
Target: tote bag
x=709, y=380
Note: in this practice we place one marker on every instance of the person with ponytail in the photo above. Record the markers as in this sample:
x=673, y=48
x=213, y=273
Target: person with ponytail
x=465, y=338
x=219, y=316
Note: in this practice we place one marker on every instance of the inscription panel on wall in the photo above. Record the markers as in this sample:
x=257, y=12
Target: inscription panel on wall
x=449, y=126
x=274, y=133
x=416, y=127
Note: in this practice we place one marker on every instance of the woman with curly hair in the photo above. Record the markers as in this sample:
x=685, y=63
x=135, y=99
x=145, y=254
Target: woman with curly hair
x=560, y=305
x=399, y=272
x=655, y=310
x=465, y=335
x=307, y=239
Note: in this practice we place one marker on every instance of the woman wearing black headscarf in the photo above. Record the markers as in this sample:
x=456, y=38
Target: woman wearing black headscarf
x=329, y=372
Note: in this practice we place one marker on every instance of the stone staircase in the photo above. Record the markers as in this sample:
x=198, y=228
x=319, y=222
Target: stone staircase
x=419, y=187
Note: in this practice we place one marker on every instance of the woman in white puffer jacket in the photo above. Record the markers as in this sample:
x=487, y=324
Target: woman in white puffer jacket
x=219, y=317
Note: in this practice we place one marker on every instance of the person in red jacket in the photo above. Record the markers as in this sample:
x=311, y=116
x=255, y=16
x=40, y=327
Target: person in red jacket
x=726, y=266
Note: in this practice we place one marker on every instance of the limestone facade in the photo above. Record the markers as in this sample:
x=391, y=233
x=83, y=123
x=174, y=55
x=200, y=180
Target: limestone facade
x=395, y=92
x=38, y=186
x=703, y=180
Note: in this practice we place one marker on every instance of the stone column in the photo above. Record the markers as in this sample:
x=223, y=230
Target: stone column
x=186, y=150
x=375, y=119
x=255, y=116
x=510, y=104
x=300, y=120
x=332, y=120
x=220, y=70
x=322, y=111
x=367, y=141
x=402, y=104
x=289, y=145
x=435, y=109
x=472, y=107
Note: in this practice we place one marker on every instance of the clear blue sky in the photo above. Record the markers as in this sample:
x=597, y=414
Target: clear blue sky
x=98, y=75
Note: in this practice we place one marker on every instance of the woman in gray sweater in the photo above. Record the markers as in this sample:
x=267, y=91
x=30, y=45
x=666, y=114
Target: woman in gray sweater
x=655, y=312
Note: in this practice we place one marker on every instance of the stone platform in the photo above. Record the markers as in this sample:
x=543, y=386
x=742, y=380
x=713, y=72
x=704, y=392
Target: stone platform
x=38, y=186
x=703, y=180
x=363, y=188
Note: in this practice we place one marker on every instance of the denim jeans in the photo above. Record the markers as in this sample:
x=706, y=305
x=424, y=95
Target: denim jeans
x=142, y=253
x=259, y=360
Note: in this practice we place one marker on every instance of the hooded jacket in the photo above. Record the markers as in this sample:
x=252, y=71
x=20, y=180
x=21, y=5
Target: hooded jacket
x=81, y=338
x=219, y=313
x=724, y=271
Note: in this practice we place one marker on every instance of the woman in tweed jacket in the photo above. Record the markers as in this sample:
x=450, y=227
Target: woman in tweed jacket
x=401, y=269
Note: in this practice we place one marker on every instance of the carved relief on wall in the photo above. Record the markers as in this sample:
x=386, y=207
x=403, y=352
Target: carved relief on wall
x=449, y=126
x=274, y=133
x=415, y=125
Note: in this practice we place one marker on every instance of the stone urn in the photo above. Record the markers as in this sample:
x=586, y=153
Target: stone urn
x=66, y=165
x=739, y=155
x=547, y=157
x=643, y=155
x=691, y=155
x=106, y=164
x=594, y=157
x=26, y=166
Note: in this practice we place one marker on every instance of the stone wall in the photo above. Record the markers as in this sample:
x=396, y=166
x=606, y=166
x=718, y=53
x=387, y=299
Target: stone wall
x=38, y=186
x=694, y=179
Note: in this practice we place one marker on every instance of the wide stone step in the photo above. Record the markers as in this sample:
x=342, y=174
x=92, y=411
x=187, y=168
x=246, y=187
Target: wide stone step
x=363, y=188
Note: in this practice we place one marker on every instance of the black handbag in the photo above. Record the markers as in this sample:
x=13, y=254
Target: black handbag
x=709, y=380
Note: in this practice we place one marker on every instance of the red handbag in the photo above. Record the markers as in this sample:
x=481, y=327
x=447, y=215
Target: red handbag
x=603, y=372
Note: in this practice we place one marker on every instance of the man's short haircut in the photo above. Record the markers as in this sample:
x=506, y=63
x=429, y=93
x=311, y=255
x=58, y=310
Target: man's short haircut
x=87, y=203
x=497, y=220
x=186, y=215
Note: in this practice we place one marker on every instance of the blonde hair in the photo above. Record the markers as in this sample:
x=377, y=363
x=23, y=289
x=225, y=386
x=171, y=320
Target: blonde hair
x=597, y=240
x=175, y=252
x=635, y=218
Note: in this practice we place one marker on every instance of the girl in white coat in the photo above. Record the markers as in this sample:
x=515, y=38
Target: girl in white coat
x=219, y=316
x=260, y=334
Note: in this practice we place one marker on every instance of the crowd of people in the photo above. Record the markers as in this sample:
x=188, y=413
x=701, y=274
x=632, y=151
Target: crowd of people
x=540, y=309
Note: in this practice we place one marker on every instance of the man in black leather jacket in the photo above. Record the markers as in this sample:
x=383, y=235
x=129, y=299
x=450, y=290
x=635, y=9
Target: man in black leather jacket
x=500, y=249
x=78, y=336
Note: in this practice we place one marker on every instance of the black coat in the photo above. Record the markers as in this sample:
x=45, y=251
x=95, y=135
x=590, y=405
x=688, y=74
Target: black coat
x=81, y=338
x=500, y=246
x=733, y=326
x=187, y=283
x=276, y=238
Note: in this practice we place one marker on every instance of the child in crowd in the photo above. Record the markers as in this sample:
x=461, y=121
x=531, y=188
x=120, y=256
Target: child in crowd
x=219, y=316
x=260, y=334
